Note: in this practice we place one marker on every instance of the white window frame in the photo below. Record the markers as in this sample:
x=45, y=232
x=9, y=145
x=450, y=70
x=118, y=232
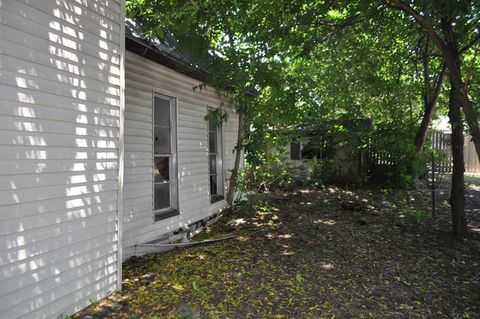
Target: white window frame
x=219, y=161
x=173, y=209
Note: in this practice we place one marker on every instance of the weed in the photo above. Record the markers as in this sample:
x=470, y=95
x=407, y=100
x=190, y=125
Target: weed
x=300, y=282
x=93, y=302
x=198, y=291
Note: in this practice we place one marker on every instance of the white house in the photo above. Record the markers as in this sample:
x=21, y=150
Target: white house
x=102, y=149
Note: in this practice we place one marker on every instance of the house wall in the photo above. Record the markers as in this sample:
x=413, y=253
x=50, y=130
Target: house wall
x=59, y=121
x=142, y=78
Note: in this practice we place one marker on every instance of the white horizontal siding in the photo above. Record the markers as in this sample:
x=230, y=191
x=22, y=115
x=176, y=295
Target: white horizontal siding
x=142, y=78
x=59, y=138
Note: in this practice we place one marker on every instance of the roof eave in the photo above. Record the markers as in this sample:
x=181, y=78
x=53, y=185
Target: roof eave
x=143, y=49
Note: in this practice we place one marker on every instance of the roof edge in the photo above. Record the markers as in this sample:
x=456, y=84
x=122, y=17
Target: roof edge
x=156, y=55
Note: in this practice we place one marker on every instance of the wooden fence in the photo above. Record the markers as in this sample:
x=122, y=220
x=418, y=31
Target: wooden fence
x=442, y=142
x=472, y=164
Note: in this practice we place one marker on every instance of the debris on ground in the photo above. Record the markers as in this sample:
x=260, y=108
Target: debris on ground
x=299, y=255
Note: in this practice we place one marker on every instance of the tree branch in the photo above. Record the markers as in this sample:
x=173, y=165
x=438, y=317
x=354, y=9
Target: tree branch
x=426, y=72
x=447, y=53
x=424, y=23
x=438, y=84
x=470, y=44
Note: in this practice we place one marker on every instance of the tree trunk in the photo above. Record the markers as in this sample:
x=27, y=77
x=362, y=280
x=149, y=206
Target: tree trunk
x=430, y=103
x=422, y=130
x=232, y=185
x=457, y=193
x=462, y=95
x=458, y=98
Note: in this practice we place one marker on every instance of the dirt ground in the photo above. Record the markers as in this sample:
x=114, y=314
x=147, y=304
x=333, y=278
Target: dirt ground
x=325, y=253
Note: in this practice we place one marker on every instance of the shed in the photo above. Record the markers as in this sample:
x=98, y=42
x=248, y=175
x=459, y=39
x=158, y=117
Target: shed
x=330, y=148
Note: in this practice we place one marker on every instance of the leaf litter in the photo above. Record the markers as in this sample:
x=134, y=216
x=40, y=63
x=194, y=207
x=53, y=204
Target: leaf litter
x=325, y=253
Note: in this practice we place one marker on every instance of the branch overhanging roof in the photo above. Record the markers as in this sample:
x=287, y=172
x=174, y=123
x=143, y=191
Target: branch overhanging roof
x=164, y=51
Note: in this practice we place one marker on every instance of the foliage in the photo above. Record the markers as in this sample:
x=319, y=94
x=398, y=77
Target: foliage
x=264, y=167
x=392, y=159
x=271, y=175
x=325, y=172
x=93, y=301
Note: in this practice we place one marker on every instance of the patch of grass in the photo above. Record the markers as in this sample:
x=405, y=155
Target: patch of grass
x=472, y=178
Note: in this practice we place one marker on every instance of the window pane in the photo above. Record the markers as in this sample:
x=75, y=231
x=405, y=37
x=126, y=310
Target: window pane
x=213, y=164
x=212, y=141
x=162, y=196
x=161, y=170
x=162, y=140
x=311, y=148
x=214, y=136
x=213, y=185
x=162, y=111
x=212, y=121
x=294, y=151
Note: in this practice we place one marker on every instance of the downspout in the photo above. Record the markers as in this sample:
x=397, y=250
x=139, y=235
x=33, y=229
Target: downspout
x=121, y=141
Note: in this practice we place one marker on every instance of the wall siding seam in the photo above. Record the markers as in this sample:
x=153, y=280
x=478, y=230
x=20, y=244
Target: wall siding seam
x=46, y=276
x=65, y=251
x=96, y=114
x=87, y=26
x=44, y=67
x=89, y=37
x=68, y=296
x=97, y=217
x=99, y=15
x=97, y=268
x=57, y=239
x=32, y=27
x=66, y=97
x=59, y=88
x=22, y=35
x=37, y=57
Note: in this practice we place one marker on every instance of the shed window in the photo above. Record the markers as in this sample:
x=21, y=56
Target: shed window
x=215, y=156
x=308, y=148
x=295, y=151
x=164, y=157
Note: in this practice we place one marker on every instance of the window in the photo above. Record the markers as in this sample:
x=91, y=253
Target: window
x=164, y=157
x=310, y=147
x=215, y=155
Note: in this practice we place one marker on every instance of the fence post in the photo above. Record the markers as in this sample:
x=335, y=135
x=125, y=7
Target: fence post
x=433, y=184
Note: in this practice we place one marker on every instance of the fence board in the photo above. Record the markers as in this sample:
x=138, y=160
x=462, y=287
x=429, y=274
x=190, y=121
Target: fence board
x=472, y=164
x=442, y=143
